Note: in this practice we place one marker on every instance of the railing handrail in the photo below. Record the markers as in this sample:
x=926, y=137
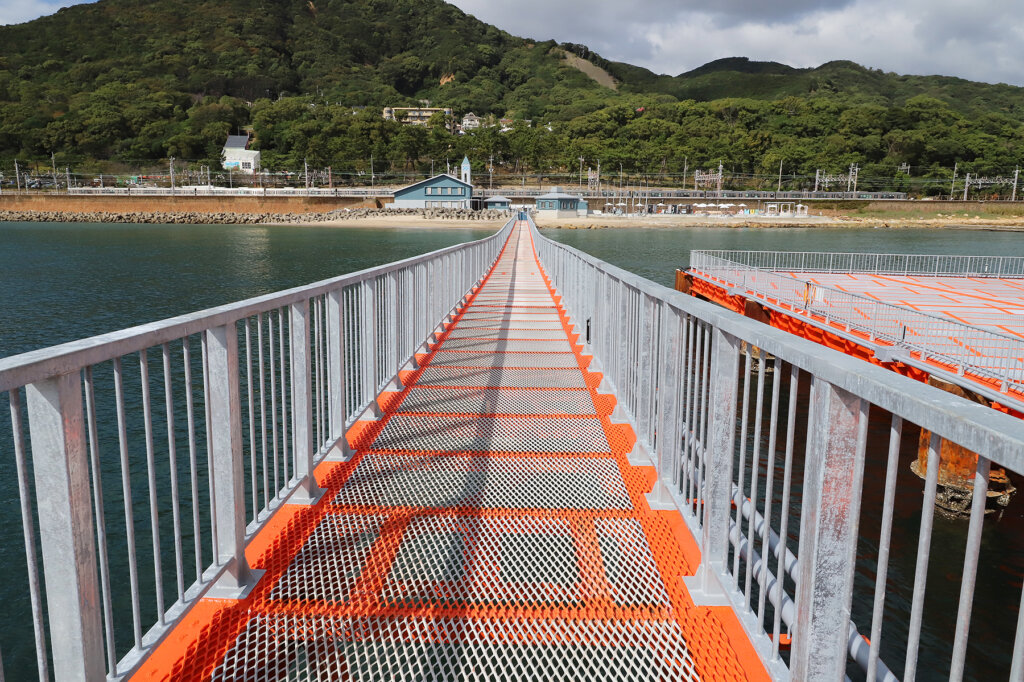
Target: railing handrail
x=35, y=365
x=931, y=331
x=997, y=436
x=843, y=262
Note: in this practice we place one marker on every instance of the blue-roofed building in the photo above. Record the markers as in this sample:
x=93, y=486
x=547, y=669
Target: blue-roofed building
x=557, y=204
x=440, y=191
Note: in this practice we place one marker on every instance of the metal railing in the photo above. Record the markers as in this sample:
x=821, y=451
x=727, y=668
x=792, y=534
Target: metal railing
x=760, y=440
x=965, y=351
x=147, y=458
x=932, y=265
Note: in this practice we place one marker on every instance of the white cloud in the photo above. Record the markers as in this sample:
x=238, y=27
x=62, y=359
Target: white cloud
x=975, y=39
x=19, y=11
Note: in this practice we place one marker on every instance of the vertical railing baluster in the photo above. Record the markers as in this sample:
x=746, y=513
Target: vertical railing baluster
x=263, y=410
x=284, y=374
x=741, y=472
x=924, y=543
x=101, y=526
x=154, y=509
x=28, y=530
x=885, y=536
x=126, y=493
x=769, y=490
x=755, y=469
x=172, y=458
x=970, y=571
x=214, y=540
x=193, y=465
x=272, y=357
x=252, y=422
x=787, y=479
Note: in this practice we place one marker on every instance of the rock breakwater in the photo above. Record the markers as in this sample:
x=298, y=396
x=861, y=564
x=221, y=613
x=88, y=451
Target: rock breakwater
x=238, y=218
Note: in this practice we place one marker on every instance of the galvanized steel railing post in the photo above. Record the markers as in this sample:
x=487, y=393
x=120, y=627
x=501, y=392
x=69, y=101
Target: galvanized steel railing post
x=227, y=475
x=718, y=465
x=303, y=450
x=669, y=413
x=648, y=342
x=833, y=474
x=336, y=372
x=66, y=533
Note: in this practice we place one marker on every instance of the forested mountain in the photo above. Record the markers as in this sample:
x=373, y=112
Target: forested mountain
x=131, y=80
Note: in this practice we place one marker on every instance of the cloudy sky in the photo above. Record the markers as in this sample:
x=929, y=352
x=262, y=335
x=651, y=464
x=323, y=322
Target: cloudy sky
x=975, y=39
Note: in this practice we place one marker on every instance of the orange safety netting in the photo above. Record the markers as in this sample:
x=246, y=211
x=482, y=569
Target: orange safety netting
x=490, y=526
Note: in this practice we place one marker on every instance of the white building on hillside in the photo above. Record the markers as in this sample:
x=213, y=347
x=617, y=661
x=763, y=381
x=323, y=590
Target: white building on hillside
x=237, y=156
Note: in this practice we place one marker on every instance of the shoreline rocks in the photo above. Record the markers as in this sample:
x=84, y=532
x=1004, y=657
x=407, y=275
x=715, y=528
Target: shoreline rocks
x=233, y=218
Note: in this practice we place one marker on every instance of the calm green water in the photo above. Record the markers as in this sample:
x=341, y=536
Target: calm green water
x=63, y=282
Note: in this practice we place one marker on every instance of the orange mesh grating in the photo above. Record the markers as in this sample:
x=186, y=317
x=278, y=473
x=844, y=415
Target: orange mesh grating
x=489, y=527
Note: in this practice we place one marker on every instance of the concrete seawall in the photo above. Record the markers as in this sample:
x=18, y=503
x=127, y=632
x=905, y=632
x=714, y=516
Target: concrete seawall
x=64, y=203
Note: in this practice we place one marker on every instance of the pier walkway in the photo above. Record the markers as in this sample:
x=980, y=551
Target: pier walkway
x=489, y=527
x=503, y=460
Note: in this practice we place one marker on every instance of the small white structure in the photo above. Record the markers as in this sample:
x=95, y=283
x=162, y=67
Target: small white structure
x=470, y=121
x=237, y=156
x=785, y=209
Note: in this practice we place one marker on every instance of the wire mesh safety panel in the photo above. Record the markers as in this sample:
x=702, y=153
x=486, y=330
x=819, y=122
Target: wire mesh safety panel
x=786, y=460
x=146, y=458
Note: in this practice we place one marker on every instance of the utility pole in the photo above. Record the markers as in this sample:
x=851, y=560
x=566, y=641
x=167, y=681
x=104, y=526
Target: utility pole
x=686, y=168
x=581, y=173
x=719, y=179
x=330, y=177
x=1016, y=174
x=17, y=175
x=305, y=168
x=53, y=160
x=371, y=171
x=490, y=169
x=967, y=184
x=780, y=176
x=171, y=164
x=67, y=174
x=953, y=184
x=817, y=176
